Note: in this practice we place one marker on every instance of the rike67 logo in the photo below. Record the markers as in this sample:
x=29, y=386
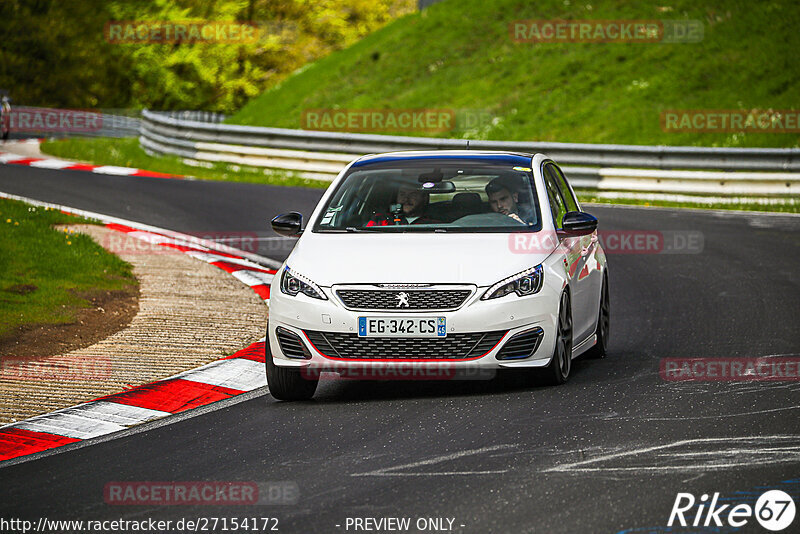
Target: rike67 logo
x=774, y=510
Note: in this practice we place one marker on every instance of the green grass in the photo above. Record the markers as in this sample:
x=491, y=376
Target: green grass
x=43, y=270
x=458, y=55
x=792, y=206
x=126, y=152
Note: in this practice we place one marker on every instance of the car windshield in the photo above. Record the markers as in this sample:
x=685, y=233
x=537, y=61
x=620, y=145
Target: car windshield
x=432, y=198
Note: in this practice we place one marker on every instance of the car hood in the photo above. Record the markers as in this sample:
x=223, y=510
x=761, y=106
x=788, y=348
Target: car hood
x=480, y=259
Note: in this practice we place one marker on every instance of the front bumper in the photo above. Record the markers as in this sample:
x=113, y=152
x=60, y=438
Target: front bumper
x=506, y=317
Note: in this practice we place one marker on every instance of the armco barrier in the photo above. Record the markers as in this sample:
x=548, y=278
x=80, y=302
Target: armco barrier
x=611, y=167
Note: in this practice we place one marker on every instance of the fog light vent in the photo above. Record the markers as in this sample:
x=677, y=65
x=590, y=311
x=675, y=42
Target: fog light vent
x=521, y=345
x=291, y=344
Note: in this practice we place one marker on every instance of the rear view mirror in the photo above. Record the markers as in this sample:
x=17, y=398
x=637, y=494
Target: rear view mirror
x=288, y=224
x=578, y=223
x=445, y=186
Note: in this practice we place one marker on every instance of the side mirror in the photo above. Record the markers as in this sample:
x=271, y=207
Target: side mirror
x=577, y=223
x=288, y=224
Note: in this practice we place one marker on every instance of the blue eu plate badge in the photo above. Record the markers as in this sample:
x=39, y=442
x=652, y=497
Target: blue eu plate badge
x=441, y=327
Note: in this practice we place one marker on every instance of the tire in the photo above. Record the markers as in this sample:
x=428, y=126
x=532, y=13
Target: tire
x=603, y=324
x=287, y=383
x=557, y=372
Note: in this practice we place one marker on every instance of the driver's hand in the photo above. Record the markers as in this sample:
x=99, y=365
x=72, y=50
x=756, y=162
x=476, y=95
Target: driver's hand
x=516, y=217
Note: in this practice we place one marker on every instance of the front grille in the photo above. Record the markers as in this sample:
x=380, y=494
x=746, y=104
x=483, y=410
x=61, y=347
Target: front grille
x=521, y=345
x=291, y=345
x=453, y=347
x=383, y=299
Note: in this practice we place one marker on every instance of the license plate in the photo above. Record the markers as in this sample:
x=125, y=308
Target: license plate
x=402, y=327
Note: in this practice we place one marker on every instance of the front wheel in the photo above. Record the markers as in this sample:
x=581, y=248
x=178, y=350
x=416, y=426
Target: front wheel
x=287, y=383
x=557, y=372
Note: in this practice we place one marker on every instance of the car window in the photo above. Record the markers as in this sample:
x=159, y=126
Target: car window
x=428, y=198
x=557, y=204
x=566, y=192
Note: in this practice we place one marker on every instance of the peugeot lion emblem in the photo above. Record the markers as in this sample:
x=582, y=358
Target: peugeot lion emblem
x=402, y=299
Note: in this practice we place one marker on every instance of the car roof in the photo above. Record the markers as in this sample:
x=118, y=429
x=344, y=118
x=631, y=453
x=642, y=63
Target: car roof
x=447, y=156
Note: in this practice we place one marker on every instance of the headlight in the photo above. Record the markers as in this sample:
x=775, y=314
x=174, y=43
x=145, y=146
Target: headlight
x=293, y=283
x=525, y=283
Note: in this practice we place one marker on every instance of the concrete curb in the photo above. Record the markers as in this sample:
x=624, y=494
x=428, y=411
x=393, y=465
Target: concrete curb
x=47, y=162
x=223, y=379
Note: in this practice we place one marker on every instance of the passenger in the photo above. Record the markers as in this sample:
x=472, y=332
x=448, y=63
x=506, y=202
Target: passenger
x=504, y=198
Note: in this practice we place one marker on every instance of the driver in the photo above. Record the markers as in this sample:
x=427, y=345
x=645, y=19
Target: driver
x=504, y=198
x=414, y=202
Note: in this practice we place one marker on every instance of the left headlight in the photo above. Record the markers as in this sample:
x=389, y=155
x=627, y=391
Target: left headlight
x=525, y=283
x=293, y=283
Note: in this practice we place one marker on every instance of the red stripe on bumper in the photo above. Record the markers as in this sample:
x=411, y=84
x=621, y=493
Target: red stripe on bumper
x=15, y=442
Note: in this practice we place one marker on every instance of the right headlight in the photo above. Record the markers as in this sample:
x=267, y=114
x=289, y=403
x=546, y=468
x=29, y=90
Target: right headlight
x=525, y=283
x=293, y=283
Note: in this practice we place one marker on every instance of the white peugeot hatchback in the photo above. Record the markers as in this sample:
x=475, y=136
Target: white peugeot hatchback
x=456, y=259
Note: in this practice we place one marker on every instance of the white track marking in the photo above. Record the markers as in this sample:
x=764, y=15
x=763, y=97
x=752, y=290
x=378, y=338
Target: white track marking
x=122, y=414
x=210, y=257
x=8, y=158
x=738, y=448
x=116, y=171
x=392, y=471
x=253, y=278
x=90, y=420
x=52, y=164
x=238, y=373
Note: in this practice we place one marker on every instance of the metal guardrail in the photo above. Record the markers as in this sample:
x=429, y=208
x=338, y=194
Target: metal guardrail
x=107, y=123
x=322, y=154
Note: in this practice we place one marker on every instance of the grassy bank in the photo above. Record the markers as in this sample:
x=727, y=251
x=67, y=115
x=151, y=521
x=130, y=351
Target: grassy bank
x=459, y=55
x=44, y=271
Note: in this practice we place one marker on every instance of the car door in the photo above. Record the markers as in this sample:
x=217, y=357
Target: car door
x=578, y=255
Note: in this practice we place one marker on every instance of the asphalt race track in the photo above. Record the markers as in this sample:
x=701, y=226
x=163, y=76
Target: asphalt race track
x=607, y=452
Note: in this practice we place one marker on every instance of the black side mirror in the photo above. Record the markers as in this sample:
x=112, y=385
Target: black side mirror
x=578, y=223
x=288, y=224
